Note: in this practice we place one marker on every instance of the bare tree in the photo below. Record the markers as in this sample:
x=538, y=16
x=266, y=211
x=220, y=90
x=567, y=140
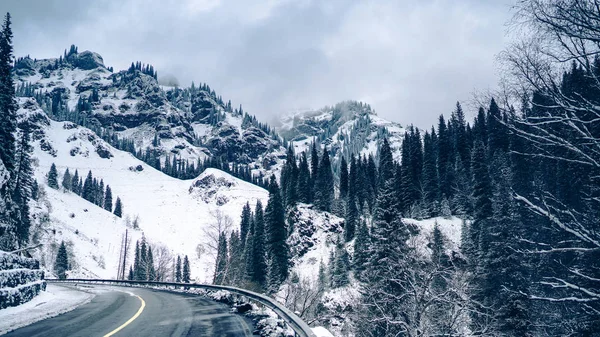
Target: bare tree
x=221, y=226
x=163, y=262
x=553, y=35
x=302, y=296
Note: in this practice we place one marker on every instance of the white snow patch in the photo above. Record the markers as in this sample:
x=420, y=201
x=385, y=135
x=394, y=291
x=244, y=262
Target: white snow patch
x=54, y=301
x=171, y=211
x=322, y=332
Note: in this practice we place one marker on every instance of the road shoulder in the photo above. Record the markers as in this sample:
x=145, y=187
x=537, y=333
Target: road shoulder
x=56, y=300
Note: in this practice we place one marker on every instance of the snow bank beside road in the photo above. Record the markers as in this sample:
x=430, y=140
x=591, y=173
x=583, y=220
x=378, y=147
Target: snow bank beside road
x=54, y=301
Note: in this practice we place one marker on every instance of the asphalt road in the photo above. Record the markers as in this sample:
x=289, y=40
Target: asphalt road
x=123, y=311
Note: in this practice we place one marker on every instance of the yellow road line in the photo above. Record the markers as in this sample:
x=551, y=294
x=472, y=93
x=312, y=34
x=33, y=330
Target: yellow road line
x=137, y=314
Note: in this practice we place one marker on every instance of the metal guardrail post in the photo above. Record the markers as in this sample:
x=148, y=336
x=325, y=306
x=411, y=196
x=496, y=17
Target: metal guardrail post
x=296, y=323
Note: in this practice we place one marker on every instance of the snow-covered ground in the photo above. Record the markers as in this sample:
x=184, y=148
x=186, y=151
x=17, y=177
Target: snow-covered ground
x=322, y=332
x=172, y=212
x=52, y=302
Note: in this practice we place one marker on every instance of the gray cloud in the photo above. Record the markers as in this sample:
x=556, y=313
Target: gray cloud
x=411, y=60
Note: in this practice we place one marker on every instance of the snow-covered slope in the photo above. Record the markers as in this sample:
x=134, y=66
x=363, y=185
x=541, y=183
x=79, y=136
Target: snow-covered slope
x=314, y=237
x=347, y=128
x=173, y=212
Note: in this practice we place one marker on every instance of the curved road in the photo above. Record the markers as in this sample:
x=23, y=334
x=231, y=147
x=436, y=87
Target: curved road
x=122, y=311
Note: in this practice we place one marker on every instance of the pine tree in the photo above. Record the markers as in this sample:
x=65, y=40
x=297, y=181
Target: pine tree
x=289, y=178
x=151, y=271
x=61, y=265
x=478, y=241
x=22, y=185
x=351, y=218
x=35, y=189
x=353, y=180
x=118, y=208
x=361, y=249
x=80, y=186
x=389, y=258
x=137, y=262
x=178, y=270
x=108, y=199
x=324, y=184
x=343, y=179
x=245, y=222
x=53, y=177
x=314, y=169
x=67, y=179
x=341, y=265
x=100, y=194
x=8, y=106
x=88, y=188
x=430, y=173
x=236, y=259
x=276, y=234
x=248, y=259
x=75, y=183
x=142, y=271
x=130, y=277
x=186, y=275
x=445, y=159
x=259, y=255
x=221, y=262
x=303, y=186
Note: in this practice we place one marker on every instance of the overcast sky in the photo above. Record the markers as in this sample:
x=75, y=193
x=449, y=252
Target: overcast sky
x=410, y=59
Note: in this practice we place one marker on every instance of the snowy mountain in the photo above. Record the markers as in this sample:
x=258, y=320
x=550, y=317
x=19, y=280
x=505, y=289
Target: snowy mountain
x=346, y=128
x=161, y=122
x=171, y=212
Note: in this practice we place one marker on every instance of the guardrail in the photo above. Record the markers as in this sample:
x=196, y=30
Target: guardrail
x=296, y=323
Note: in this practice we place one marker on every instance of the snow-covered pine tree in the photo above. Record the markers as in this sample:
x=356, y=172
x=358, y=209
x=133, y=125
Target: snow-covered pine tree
x=351, y=218
x=341, y=265
x=186, y=276
x=75, y=183
x=278, y=250
x=108, y=199
x=324, y=192
x=118, y=208
x=178, y=270
x=361, y=249
x=303, y=186
x=236, y=259
x=221, y=263
x=88, y=187
x=343, y=179
x=259, y=251
x=383, y=301
x=61, y=265
x=478, y=237
x=136, y=262
x=8, y=105
x=53, y=177
x=150, y=269
x=22, y=184
x=245, y=222
x=67, y=180
x=445, y=159
x=289, y=178
x=142, y=272
x=314, y=169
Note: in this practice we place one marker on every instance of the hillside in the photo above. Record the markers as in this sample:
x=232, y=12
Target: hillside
x=170, y=211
